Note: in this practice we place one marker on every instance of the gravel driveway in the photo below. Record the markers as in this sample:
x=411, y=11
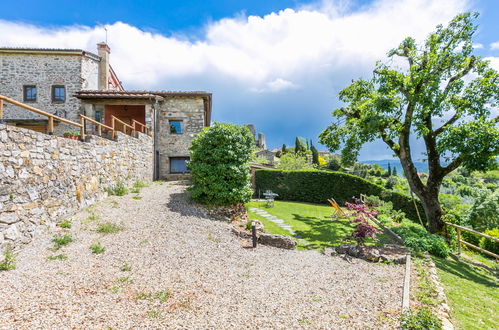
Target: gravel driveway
x=187, y=271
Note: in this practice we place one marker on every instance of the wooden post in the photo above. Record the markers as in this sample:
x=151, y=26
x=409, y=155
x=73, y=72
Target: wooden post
x=112, y=125
x=458, y=240
x=51, y=126
x=253, y=233
x=1, y=111
x=99, y=130
x=82, y=129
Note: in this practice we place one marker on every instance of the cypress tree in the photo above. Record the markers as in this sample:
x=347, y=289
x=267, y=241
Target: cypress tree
x=284, y=150
x=394, y=172
x=315, y=155
x=389, y=170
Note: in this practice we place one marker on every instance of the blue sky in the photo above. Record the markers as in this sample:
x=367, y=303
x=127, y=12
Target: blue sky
x=276, y=64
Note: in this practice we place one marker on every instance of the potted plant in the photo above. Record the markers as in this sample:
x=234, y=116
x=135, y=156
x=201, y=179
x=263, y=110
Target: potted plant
x=67, y=134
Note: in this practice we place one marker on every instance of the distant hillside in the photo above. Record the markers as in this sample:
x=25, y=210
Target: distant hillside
x=421, y=166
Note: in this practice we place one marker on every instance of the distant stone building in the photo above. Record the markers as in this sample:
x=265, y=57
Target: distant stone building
x=259, y=139
x=269, y=156
x=70, y=82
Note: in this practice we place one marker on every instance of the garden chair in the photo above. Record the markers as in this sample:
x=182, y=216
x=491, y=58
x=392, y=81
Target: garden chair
x=337, y=211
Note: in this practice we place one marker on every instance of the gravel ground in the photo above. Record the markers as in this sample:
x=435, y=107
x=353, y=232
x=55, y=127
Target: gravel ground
x=187, y=271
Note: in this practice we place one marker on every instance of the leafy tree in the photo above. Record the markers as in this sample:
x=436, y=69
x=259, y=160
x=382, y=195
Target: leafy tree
x=443, y=95
x=294, y=162
x=391, y=182
x=483, y=213
x=334, y=163
x=219, y=165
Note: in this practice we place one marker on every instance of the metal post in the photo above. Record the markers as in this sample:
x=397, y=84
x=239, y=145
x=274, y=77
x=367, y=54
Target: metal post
x=253, y=233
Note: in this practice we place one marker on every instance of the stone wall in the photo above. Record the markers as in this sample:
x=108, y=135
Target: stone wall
x=189, y=109
x=44, y=178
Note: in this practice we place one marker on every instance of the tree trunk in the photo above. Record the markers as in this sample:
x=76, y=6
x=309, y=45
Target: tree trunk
x=433, y=212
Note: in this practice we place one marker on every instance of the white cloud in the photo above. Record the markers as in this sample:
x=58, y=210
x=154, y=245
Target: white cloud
x=494, y=45
x=253, y=61
x=478, y=46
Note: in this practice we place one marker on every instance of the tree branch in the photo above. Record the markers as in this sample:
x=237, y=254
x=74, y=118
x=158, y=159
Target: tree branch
x=451, y=121
x=452, y=165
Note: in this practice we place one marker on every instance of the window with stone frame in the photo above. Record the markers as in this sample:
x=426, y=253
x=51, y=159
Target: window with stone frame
x=178, y=165
x=58, y=94
x=176, y=126
x=29, y=93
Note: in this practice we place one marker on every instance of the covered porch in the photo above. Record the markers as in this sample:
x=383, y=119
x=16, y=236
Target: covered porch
x=121, y=110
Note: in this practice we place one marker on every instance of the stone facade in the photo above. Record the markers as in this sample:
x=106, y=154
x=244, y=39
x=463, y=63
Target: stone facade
x=44, y=71
x=190, y=110
x=43, y=177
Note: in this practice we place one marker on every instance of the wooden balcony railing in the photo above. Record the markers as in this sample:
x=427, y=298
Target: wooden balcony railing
x=83, y=121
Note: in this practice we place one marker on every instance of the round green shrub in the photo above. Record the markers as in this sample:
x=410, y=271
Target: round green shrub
x=219, y=165
x=488, y=244
x=422, y=318
x=418, y=239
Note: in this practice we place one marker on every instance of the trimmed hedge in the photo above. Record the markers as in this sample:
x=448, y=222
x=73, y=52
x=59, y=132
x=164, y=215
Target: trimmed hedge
x=315, y=186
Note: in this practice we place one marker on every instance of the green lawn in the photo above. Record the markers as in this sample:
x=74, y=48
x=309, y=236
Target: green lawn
x=312, y=222
x=472, y=291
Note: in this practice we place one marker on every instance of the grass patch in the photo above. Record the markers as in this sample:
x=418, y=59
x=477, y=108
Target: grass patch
x=58, y=257
x=140, y=184
x=126, y=267
x=124, y=280
x=61, y=240
x=109, y=228
x=65, y=224
x=137, y=197
x=472, y=292
x=118, y=190
x=161, y=296
x=9, y=260
x=92, y=217
x=311, y=222
x=97, y=248
x=154, y=314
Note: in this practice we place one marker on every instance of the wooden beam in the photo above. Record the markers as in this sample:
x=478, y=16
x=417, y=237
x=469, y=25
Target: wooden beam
x=1, y=110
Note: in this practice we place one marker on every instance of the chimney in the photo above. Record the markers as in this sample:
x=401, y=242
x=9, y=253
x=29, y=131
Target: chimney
x=103, y=51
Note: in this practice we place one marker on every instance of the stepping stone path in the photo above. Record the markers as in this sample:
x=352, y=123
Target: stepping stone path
x=274, y=219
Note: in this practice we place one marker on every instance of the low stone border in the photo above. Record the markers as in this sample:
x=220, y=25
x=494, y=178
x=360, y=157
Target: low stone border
x=406, y=291
x=443, y=309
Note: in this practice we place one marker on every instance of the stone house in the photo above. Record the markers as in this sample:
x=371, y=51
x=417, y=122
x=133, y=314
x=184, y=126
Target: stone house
x=269, y=156
x=70, y=82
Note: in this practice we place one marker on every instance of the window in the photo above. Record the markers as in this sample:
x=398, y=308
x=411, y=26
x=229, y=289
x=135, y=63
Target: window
x=58, y=94
x=175, y=126
x=178, y=164
x=29, y=93
x=98, y=116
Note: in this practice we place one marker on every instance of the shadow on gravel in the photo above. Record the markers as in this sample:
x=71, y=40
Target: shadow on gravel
x=181, y=204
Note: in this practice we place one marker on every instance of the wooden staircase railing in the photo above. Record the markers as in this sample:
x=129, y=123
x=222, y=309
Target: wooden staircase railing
x=83, y=120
